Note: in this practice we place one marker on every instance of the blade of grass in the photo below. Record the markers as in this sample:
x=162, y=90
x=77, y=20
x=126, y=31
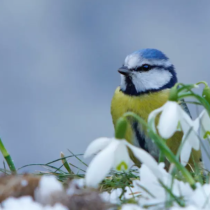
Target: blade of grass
x=7, y=157
x=77, y=158
x=65, y=163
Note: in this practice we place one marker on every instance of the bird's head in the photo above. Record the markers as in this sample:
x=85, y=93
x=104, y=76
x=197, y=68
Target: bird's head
x=146, y=70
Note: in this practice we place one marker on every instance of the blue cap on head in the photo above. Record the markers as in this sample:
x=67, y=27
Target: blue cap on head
x=151, y=54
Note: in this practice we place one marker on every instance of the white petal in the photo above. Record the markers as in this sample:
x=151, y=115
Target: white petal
x=194, y=141
x=97, y=145
x=185, y=153
x=186, y=122
x=122, y=159
x=147, y=159
x=188, y=125
x=153, y=115
x=101, y=164
x=205, y=121
x=200, y=197
x=169, y=119
x=205, y=151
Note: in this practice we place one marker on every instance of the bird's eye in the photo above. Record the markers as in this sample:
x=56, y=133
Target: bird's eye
x=145, y=67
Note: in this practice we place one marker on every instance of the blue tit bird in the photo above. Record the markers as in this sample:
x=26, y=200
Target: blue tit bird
x=146, y=78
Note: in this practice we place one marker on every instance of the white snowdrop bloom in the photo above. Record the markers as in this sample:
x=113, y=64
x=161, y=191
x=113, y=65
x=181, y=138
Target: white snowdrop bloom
x=47, y=186
x=201, y=196
x=27, y=203
x=169, y=118
x=153, y=193
x=131, y=207
x=190, y=138
x=173, y=115
x=114, y=153
x=205, y=122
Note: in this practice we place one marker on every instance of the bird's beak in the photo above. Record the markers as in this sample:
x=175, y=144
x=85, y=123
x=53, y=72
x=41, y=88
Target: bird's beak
x=124, y=70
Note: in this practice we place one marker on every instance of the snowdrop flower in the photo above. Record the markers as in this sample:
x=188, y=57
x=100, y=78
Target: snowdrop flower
x=205, y=122
x=200, y=197
x=171, y=114
x=149, y=185
x=114, y=153
x=190, y=138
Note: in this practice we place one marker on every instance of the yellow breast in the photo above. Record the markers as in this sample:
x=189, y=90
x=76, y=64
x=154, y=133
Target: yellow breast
x=141, y=105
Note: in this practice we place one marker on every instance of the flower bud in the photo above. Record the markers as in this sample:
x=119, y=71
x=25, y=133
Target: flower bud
x=121, y=127
x=65, y=163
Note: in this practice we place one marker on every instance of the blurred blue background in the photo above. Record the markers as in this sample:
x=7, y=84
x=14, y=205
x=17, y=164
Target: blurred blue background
x=59, y=61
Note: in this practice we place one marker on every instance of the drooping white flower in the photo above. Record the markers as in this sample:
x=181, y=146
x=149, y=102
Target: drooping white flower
x=200, y=197
x=152, y=191
x=171, y=119
x=205, y=122
x=113, y=154
x=171, y=114
x=190, y=138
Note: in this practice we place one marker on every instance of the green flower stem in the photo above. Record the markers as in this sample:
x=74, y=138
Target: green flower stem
x=164, y=149
x=7, y=157
x=199, y=98
x=178, y=88
x=169, y=191
x=186, y=87
x=161, y=157
x=202, y=82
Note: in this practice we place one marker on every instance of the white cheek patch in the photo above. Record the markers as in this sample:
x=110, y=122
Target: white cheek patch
x=153, y=79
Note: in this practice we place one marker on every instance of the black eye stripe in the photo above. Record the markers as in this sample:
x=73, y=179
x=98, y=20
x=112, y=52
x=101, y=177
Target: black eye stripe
x=145, y=67
x=141, y=68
